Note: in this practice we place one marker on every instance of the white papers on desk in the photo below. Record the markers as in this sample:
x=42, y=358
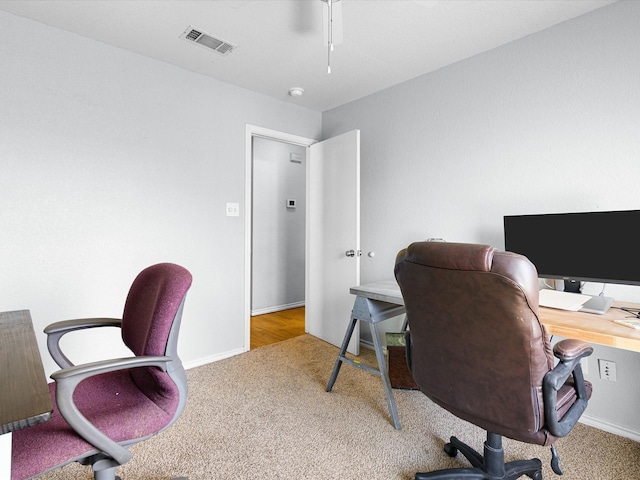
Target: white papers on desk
x=562, y=300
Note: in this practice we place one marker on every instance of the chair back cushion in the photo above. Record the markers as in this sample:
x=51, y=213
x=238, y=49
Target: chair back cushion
x=151, y=307
x=153, y=304
x=477, y=347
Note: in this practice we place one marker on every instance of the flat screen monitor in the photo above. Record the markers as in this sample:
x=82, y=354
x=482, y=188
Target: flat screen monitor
x=575, y=247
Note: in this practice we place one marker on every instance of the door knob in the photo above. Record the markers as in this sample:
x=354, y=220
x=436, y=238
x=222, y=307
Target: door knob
x=371, y=254
x=350, y=253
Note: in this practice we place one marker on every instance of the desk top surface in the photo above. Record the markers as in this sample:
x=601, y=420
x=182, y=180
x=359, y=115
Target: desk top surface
x=386, y=291
x=593, y=328
x=24, y=395
x=588, y=327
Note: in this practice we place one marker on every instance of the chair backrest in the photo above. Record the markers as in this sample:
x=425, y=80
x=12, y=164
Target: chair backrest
x=477, y=347
x=150, y=326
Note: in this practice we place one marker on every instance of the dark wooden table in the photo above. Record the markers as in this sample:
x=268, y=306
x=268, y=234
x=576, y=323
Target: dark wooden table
x=24, y=395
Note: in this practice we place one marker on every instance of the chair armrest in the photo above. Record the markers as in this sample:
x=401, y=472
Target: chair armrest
x=57, y=330
x=68, y=379
x=569, y=352
x=77, y=373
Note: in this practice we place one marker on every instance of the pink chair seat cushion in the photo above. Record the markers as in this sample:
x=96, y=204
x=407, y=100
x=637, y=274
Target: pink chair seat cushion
x=112, y=402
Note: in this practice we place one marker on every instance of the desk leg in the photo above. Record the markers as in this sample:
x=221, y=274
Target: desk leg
x=5, y=455
x=384, y=375
x=341, y=355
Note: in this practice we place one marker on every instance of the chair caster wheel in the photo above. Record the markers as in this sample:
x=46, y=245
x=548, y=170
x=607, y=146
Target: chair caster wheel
x=536, y=475
x=450, y=450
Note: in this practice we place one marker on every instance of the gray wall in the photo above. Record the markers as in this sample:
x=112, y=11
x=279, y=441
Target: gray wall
x=278, y=247
x=548, y=123
x=111, y=162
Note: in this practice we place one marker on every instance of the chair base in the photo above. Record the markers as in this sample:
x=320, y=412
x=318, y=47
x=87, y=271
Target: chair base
x=489, y=467
x=105, y=468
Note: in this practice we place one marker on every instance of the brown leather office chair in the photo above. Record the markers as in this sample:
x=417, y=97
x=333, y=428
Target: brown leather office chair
x=476, y=347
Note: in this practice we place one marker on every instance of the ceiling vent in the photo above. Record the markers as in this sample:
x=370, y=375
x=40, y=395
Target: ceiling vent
x=205, y=40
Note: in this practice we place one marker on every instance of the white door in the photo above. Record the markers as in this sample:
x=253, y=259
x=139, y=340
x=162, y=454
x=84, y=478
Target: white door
x=333, y=230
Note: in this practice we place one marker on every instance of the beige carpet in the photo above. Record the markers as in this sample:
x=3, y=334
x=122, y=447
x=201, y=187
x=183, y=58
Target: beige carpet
x=265, y=414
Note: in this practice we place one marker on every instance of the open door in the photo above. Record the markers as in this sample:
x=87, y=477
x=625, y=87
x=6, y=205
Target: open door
x=333, y=237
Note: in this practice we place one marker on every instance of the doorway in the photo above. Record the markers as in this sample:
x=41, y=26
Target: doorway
x=275, y=211
x=278, y=226
x=278, y=241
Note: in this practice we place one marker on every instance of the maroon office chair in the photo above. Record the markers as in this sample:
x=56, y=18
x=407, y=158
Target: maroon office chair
x=103, y=407
x=476, y=347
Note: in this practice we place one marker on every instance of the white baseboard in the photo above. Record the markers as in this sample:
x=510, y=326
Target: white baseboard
x=276, y=308
x=213, y=358
x=233, y=353
x=610, y=427
x=369, y=345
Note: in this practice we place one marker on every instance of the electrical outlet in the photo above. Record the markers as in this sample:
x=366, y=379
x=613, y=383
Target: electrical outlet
x=233, y=210
x=607, y=370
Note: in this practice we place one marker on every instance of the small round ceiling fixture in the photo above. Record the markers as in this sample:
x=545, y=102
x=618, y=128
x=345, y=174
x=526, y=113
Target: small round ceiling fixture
x=296, y=91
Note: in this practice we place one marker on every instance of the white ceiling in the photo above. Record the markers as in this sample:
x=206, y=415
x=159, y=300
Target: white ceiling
x=280, y=42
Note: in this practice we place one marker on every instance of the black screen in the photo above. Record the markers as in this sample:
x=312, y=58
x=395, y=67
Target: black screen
x=593, y=246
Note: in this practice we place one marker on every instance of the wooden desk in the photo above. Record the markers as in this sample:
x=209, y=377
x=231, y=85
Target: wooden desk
x=593, y=328
x=588, y=327
x=24, y=395
x=379, y=301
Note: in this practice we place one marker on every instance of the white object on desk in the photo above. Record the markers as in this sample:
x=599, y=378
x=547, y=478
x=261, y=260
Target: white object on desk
x=562, y=300
x=5, y=455
x=628, y=322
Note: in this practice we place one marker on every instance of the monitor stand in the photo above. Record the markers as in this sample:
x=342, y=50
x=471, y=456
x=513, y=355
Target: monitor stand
x=597, y=304
x=572, y=286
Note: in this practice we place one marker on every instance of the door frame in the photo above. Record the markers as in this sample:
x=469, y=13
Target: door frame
x=255, y=131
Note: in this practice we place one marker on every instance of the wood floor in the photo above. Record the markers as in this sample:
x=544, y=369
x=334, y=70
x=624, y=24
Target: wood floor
x=276, y=327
